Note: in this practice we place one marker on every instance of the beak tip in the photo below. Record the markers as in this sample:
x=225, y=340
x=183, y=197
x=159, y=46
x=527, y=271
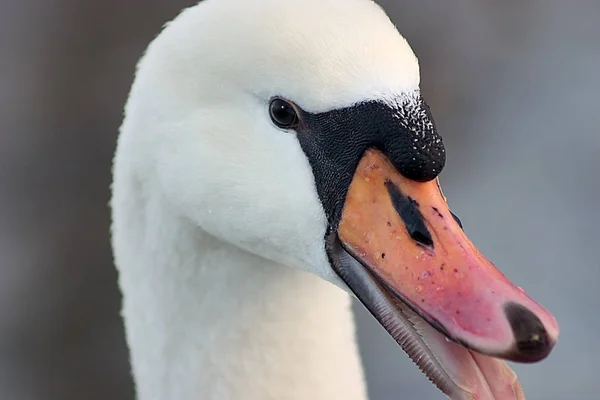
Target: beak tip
x=534, y=340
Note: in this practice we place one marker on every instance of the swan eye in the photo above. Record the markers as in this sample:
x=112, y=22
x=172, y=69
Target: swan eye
x=283, y=114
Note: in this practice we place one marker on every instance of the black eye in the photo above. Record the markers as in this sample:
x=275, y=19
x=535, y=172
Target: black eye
x=283, y=113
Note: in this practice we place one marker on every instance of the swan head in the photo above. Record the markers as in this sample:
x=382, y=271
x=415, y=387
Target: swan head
x=297, y=131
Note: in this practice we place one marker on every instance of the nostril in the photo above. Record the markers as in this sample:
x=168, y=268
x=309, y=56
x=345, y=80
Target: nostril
x=532, y=342
x=408, y=210
x=420, y=236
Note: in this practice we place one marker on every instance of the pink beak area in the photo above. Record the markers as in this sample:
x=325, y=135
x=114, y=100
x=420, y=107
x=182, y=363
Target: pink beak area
x=404, y=235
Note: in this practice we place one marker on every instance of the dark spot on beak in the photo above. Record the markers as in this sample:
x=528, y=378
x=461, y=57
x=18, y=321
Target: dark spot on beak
x=408, y=210
x=531, y=338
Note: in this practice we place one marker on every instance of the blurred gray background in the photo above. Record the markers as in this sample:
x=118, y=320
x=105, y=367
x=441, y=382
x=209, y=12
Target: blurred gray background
x=514, y=87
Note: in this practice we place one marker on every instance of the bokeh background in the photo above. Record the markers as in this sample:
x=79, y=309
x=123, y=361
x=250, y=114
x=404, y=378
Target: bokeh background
x=514, y=86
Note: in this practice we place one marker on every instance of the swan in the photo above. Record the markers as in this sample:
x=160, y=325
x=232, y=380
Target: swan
x=275, y=159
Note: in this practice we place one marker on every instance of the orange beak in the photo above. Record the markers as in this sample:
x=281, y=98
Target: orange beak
x=404, y=235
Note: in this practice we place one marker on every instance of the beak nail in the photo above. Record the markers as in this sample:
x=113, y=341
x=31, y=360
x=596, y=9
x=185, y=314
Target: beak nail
x=531, y=338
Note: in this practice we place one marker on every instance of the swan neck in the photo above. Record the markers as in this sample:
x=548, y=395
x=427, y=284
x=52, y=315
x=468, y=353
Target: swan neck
x=207, y=320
